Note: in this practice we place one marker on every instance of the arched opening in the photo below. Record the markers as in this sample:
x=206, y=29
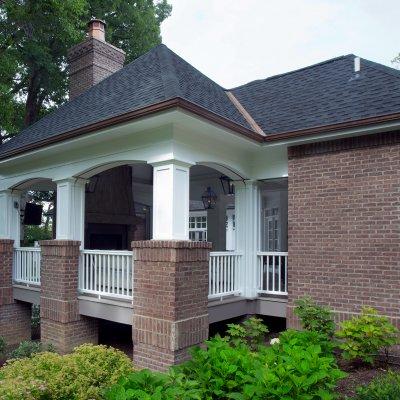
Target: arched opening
x=118, y=206
x=213, y=221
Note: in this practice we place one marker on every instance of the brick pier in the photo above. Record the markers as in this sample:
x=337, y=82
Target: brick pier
x=61, y=323
x=170, y=300
x=15, y=317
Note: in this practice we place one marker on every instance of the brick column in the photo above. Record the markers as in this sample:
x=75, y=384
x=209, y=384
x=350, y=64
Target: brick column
x=61, y=324
x=15, y=317
x=170, y=301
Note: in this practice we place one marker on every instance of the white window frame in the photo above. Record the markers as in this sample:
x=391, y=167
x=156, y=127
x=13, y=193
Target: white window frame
x=198, y=231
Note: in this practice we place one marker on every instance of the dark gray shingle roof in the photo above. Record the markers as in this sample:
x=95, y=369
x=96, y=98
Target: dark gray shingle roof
x=323, y=94
x=326, y=93
x=152, y=78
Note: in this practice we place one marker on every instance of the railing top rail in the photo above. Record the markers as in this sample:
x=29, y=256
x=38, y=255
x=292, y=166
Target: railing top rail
x=225, y=253
x=27, y=248
x=272, y=253
x=109, y=252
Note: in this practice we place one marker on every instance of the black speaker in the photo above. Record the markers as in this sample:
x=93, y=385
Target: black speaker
x=33, y=214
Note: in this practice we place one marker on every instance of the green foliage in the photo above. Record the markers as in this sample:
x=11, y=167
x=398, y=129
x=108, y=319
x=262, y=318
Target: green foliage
x=385, y=387
x=81, y=375
x=28, y=348
x=365, y=335
x=35, y=36
x=35, y=321
x=3, y=345
x=314, y=317
x=147, y=385
x=34, y=233
x=251, y=332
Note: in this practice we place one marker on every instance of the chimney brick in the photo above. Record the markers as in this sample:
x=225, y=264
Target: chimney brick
x=92, y=60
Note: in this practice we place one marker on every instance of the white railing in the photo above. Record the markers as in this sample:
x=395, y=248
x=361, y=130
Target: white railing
x=106, y=273
x=26, y=265
x=272, y=272
x=224, y=274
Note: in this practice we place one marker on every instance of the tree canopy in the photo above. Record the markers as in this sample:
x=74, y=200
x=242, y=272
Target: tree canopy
x=35, y=36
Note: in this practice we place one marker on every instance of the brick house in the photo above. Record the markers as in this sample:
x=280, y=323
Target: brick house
x=180, y=203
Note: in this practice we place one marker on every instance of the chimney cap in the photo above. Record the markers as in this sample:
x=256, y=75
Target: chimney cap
x=97, y=20
x=97, y=29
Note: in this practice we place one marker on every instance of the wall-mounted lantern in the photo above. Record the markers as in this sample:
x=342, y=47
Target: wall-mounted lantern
x=209, y=199
x=227, y=185
x=91, y=185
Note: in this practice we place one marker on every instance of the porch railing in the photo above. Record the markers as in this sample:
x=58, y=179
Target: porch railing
x=272, y=272
x=26, y=265
x=106, y=273
x=224, y=274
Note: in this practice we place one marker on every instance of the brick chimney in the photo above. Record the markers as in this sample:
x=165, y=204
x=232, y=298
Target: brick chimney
x=92, y=60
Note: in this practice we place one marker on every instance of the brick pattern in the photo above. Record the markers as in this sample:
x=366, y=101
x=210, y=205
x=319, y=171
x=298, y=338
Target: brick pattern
x=61, y=323
x=170, y=300
x=344, y=225
x=90, y=62
x=15, y=317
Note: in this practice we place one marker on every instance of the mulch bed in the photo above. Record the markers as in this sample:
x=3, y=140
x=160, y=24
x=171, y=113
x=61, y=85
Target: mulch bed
x=360, y=375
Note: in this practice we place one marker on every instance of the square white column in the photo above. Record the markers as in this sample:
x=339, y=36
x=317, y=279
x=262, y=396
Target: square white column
x=247, y=214
x=10, y=219
x=71, y=210
x=171, y=200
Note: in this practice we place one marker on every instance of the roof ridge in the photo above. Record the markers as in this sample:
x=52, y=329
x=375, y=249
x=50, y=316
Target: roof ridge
x=293, y=71
x=382, y=68
x=168, y=72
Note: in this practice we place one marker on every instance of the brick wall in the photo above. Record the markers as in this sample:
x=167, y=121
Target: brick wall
x=90, y=62
x=61, y=323
x=170, y=301
x=15, y=317
x=344, y=224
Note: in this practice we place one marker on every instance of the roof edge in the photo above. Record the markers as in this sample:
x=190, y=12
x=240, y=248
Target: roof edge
x=276, y=137
x=169, y=104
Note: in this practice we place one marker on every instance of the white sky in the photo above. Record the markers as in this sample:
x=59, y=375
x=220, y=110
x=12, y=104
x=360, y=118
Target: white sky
x=236, y=41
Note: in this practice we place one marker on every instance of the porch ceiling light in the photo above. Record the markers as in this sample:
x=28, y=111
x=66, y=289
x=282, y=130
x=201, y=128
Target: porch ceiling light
x=227, y=185
x=91, y=185
x=209, y=199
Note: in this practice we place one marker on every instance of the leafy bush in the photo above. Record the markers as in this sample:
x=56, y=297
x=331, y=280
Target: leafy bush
x=314, y=317
x=3, y=345
x=251, y=332
x=29, y=347
x=81, y=375
x=365, y=335
x=385, y=387
x=35, y=322
x=147, y=385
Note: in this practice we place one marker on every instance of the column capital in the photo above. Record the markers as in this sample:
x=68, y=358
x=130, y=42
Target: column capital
x=73, y=180
x=174, y=161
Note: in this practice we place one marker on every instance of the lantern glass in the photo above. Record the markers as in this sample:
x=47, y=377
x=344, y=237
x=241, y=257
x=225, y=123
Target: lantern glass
x=209, y=199
x=227, y=185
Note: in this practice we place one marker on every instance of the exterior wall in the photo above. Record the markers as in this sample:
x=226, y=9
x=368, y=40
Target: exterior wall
x=15, y=317
x=61, y=323
x=170, y=301
x=344, y=224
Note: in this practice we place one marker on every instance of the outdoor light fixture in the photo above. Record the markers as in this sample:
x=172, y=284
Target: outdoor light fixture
x=91, y=185
x=227, y=185
x=209, y=199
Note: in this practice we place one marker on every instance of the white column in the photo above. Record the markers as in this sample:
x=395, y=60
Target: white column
x=171, y=200
x=247, y=233
x=10, y=220
x=71, y=210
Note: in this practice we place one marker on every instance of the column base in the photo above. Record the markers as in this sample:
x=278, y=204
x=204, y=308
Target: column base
x=66, y=336
x=15, y=322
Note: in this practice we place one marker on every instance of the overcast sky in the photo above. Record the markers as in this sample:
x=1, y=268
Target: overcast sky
x=236, y=41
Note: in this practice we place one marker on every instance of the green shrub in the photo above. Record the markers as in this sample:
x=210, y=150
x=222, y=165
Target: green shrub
x=251, y=332
x=29, y=347
x=314, y=317
x=35, y=322
x=81, y=375
x=3, y=345
x=365, y=335
x=147, y=385
x=385, y=387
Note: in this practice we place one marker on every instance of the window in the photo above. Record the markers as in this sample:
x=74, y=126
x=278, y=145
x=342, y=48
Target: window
x=198, y=226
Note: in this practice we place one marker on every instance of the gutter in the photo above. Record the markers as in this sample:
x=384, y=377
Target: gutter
x=166, y=105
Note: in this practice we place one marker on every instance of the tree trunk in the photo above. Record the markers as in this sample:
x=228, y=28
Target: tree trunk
x=32, y=102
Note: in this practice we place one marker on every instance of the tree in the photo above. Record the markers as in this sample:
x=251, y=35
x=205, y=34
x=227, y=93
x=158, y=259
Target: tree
x=35, y=36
